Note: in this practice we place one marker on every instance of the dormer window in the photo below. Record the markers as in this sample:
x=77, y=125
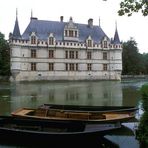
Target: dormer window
x=105, y=44
x=33, y=39
x=71, y=31
x=89, y=43
x=51, y=41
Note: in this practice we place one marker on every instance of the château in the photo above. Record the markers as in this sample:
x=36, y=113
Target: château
x=60, y=50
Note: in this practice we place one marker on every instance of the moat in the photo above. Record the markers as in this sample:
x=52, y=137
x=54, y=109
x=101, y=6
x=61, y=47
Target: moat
x=101, y=93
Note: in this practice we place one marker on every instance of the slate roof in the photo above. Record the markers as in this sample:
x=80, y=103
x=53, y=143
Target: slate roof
x=42, y=29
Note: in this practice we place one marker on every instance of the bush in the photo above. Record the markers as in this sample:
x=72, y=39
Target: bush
x=142, y=132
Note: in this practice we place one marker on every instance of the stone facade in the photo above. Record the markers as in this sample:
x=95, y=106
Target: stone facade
x=49, y=50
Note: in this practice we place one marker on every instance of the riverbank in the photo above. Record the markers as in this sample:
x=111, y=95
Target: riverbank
x=4, y=78
x=128, y=77
x=126, y=138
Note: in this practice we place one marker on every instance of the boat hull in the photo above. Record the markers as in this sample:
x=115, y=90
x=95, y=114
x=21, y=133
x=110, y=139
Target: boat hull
x=34, y=131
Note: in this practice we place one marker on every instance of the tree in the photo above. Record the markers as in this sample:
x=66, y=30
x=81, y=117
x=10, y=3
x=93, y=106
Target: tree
x=130, y=6
x=145, y=59
x=4, y=56
x=132, y=63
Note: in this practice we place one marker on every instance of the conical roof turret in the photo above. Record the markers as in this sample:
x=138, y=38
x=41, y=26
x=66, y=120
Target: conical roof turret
x=16, y=31
x=116, y=37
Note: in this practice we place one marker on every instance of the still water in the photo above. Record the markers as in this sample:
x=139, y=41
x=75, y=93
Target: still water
x=101, y=93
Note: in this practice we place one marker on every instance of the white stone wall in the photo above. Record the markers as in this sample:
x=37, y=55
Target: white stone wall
x=21, y=61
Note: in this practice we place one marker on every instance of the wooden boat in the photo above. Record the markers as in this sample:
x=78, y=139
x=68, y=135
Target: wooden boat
x=78, y=113
x=38, y=131
x=90, y=108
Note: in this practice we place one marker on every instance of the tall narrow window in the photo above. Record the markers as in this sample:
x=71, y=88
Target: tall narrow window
x=89, y=66
x=51, y=54
x=70, y=33
x=104, y=55
x=71, y=54
x=51, y=66
x=66, y=54
x=66, y=33
x=51, y=41
x=89, y=55
x=76, y=54
x=76, y=33
x=105, y=67
x=33, y=66
x=77, y=67
x=33, y=53
x=66, y=66
x=33, y=39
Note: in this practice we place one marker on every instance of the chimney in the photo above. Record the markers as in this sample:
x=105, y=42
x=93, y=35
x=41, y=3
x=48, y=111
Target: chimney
x=61, y=18
x=90, y=23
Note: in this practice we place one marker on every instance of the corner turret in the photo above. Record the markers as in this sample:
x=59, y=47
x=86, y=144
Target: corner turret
x=116, y=37
x=16, y=31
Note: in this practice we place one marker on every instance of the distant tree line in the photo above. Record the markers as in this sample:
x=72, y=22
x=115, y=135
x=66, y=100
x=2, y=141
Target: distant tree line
x=134, y=63
x=4, y=56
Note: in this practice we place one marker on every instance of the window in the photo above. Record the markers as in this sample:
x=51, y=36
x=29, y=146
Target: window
x=71, y=54
x=76, y=54
x=89, y=66
x=66, y=54
x=33, y=39
x=66, y=66
x=71, y=67
x=33, y=53
x=51, y=41
x=105, y=67
x=89, y=55
x=89, y=43
x=33, y=66
x=76, y=33
x=105, y=44
x=77, y=67
x=51, y=66
x=51, y=54
x=66, y=33
x=104, y=55
x=71, y=33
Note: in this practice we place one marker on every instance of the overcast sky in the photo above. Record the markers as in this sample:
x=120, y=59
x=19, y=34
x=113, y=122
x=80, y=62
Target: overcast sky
x=80, y=10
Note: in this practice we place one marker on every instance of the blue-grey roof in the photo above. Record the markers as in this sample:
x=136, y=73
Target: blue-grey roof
x=42, y=29
x=116, y=37
x=16, y=32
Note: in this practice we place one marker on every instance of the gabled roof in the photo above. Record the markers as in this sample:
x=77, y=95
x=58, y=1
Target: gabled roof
x=43, y=28
x=16, y=32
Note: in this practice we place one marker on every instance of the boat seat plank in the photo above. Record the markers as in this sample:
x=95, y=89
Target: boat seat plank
x=24, y=111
